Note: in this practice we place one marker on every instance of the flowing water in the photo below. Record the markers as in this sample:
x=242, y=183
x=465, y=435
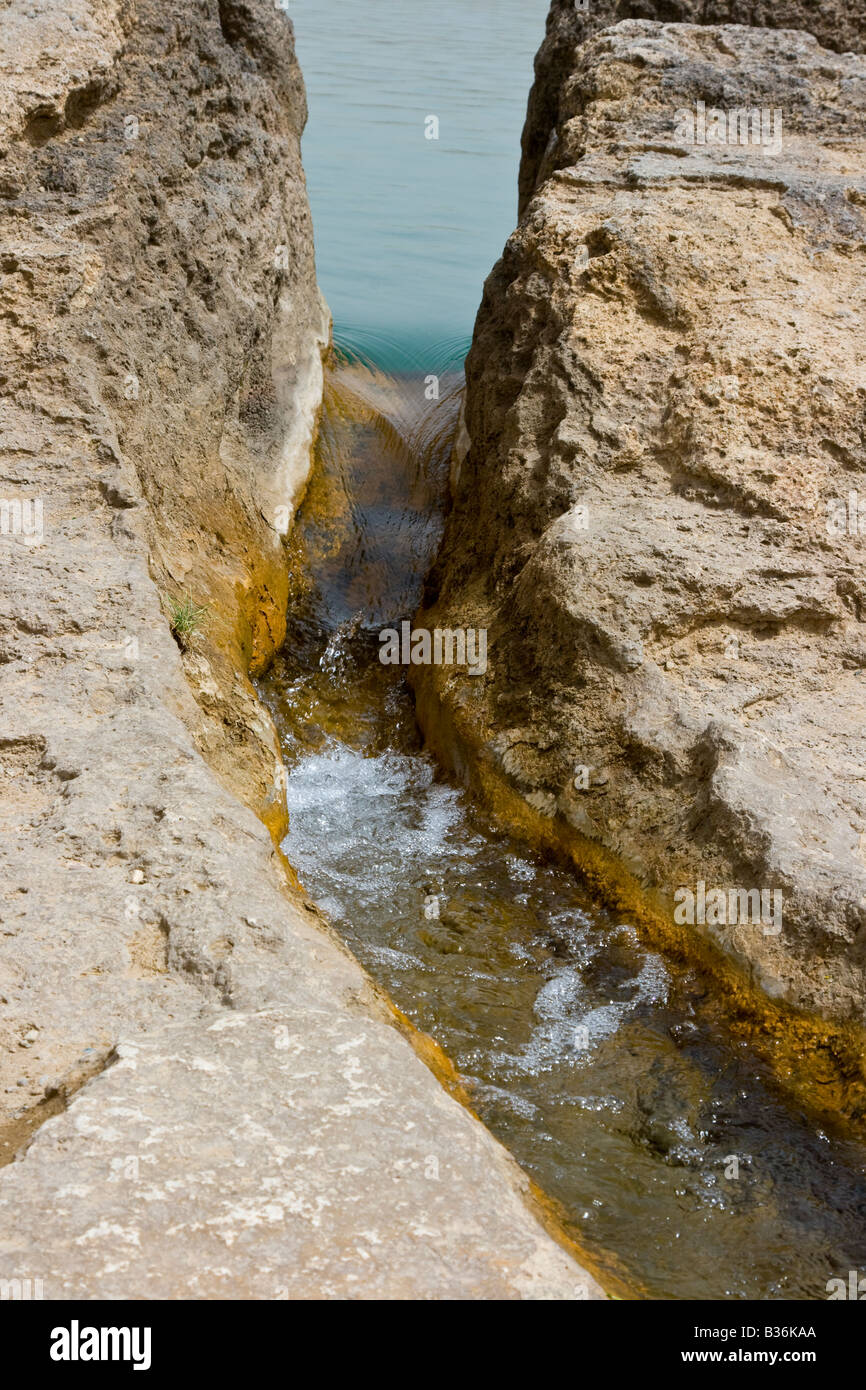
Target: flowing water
x=607, y=1071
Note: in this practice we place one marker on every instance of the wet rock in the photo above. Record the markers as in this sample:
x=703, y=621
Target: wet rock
x=668, y=1110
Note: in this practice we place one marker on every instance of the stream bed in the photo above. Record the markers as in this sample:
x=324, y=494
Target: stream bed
x=603, y=1068
x=607, y=1071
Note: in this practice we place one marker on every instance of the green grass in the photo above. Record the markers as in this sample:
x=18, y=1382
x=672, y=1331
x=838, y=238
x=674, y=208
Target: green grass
x=186, y=619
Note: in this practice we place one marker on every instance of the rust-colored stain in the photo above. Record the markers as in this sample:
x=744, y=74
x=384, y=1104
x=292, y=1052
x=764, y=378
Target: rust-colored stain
x=819, y=1063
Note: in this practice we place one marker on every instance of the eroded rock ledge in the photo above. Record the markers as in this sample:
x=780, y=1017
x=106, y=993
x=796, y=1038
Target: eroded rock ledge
x=836, y=24
x=254, y=1124
x=666, y=406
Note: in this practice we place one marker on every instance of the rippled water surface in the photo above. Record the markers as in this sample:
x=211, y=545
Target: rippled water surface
x=408, y=228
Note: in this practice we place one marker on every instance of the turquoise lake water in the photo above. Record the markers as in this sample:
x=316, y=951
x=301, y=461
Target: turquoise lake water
x=407, y=228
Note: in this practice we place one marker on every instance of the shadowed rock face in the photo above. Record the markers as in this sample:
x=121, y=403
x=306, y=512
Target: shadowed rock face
x=160, y=372
x=836, y=25
x=160, y=305
x=666, y=414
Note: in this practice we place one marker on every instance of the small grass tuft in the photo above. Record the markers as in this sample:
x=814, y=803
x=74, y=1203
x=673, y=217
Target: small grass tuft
x=186, y=619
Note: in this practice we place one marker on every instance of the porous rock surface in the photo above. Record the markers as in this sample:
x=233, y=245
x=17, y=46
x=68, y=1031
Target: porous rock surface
x=836, y=24
x=254, y=1125
x=297, y=1152
x=666, y=409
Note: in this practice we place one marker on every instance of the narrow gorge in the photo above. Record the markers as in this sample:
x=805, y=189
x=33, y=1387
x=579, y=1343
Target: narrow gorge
x=246, y=1115
x=327, y=978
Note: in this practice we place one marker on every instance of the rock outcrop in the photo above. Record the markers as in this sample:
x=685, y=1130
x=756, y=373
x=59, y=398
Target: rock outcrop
x=836, y=25
x=252, y=1120
x=655, y=509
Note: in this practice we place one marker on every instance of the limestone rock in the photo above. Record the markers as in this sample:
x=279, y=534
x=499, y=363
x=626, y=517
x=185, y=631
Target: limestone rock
x=836, y=25
x=299, y=1152
x=656, y=515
